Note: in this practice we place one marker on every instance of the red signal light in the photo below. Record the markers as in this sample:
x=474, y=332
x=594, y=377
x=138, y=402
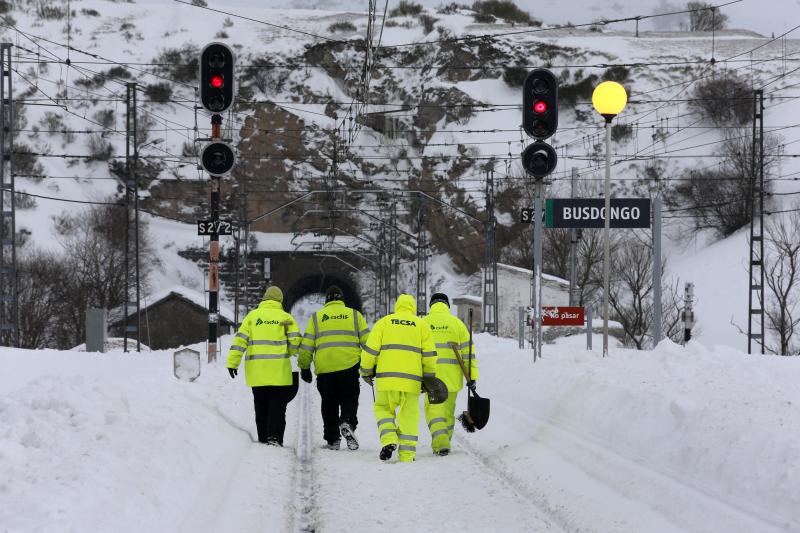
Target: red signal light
x=217, y=82
x=540, y=106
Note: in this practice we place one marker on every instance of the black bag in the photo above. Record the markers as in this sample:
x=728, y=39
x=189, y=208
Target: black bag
x=436, y=389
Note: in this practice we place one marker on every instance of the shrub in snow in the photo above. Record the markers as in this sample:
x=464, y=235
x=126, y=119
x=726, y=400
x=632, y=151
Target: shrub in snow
x=515, y=76
x=504, y=9
x=25, y=162
x=50, y=12
x=406, y=8
x=343, y=26
x=704, y=17
x=181, y=65
x=105, y=117
x=427, y=22
x=99, y=148
x=725, y=99
x=118, y=72
x=159, y=93
x=451, y=9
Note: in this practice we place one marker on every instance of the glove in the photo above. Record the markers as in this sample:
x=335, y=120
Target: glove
x=471, y=385
x=233, y=372
x=368, y=380
x=305, y=374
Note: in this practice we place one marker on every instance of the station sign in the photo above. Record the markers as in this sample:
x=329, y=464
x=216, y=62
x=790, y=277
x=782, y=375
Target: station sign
x=590, y=213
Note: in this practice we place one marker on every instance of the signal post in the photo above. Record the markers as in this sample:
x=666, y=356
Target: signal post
x=540, y=121
x=217, y=158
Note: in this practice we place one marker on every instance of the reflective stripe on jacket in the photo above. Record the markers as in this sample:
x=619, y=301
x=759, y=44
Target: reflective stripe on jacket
x=267, y=339
x=333, y=339
x=400, y=349
x=448, y=329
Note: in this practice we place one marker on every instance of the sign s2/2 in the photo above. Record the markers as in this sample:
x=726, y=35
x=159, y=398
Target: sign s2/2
x=210, y=227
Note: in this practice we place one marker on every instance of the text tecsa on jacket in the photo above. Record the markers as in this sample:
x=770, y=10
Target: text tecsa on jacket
x=399, y=322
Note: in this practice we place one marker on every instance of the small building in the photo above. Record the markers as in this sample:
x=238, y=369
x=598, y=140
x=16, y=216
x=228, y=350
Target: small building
x=463, y=304
x=514, y=291
x=174, y=317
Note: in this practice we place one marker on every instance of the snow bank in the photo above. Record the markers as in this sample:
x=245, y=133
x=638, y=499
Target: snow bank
x=686, y=430
x=677, y=439
x=115, y=443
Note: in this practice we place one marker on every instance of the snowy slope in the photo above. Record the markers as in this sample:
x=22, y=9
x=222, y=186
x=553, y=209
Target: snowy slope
x=161, y=25
x=672, y=440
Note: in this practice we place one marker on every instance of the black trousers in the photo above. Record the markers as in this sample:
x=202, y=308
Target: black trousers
x=339, y=392
x=270, y=403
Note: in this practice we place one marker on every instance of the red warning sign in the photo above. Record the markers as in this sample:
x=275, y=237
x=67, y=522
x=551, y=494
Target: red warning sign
x=563, y=316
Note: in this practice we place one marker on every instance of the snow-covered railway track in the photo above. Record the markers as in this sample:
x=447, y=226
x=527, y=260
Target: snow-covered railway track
x=304, y=517
x=559, y=469
x=538, y=499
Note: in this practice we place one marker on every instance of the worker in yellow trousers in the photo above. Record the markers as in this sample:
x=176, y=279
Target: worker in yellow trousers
x=448, y=332
x=399, y=353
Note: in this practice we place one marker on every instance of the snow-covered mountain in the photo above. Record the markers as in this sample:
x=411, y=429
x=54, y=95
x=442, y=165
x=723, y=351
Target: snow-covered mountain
x=459, y=111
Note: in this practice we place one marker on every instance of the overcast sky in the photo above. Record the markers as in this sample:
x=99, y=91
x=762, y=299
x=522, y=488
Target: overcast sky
x=763, y=16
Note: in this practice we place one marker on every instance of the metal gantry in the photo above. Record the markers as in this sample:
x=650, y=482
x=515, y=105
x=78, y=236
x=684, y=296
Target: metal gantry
x=9, y=302
x=422, y=259
x=132, y=285
x=755, y=314
x=490, y=298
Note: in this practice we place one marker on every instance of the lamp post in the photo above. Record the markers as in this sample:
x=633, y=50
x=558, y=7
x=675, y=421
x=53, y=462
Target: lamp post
x=609, y=99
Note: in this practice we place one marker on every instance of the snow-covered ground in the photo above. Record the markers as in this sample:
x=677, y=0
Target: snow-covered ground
x=677, y=439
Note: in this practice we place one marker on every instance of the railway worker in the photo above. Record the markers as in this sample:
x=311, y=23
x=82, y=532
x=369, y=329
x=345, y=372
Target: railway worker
x=398, y=354
x=268, y=338
x=450, y=335
x=333, y=339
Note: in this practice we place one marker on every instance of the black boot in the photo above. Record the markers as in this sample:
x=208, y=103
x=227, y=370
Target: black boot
x=386, y=452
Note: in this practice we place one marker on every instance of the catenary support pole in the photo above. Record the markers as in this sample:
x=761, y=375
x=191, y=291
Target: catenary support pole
x=657, y=327
x=9, y=288
x=537, y=272
x=607, y=237
x=573, y=250
x=213, y=265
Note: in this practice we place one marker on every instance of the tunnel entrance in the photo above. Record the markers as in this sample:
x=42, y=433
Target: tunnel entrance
x=318, y=284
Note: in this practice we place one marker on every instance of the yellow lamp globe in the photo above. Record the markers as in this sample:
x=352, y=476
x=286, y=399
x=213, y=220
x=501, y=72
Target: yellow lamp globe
x=609, y=99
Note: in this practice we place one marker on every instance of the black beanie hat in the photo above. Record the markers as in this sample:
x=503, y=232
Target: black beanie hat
x=440, y=297
x=333, y=293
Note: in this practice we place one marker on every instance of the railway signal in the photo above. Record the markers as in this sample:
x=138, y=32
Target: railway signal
x=216, y=77
x=540, y=104
x=217, y=158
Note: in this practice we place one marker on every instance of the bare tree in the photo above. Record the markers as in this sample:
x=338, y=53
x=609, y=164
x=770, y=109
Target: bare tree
x=721, y=199
x=40, y=273
x=705, y=17
x=631, y=292
x=782, y=277
x=94, y=259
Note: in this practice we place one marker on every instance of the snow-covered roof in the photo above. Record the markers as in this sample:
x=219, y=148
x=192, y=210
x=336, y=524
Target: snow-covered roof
x=290, y=242
x=197, y=298
x=527, y=272
x=469, y=298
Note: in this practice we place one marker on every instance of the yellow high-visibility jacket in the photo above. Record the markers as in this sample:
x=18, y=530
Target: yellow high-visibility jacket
x=400, y=349
x=333, y=338
x=448, y=329
x=268, y=338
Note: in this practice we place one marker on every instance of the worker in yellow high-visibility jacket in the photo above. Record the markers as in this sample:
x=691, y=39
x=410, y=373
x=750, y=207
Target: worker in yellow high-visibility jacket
x=333, y=339
x=399, y=353
x=267, y=338
x=448, y=332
